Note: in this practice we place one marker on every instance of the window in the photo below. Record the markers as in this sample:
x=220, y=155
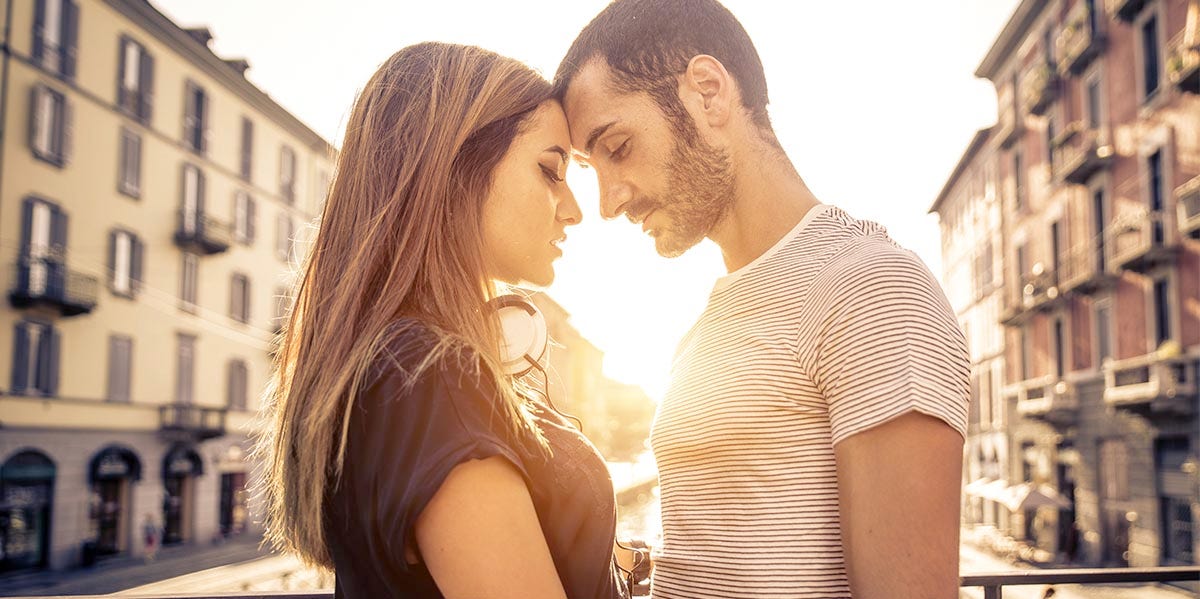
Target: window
x=1094, y=117
x=135, y=80
x=1154, y=168
x=1060, y=349
x=1018, y=181
x=120, y=366
x=1162, y=311
x=35, y=359
x=287, y=174
x=124, y=263
x=192, y=203
x=1150, y=57
x=1022, y=265
x=185, y=365
x=49, y=129
x=40, y=271
x=55, y=36
x=1055, y=251
x=247, y=147
x=1175, y=498
x=130, y=177
x=187, y=292
x=1026, y=354
x=239, y=298
x=284, y=230
x=1103, y=331
x=237, y=385
x=1098, y=225
x=195, y=118
x=281, y=303
x=1050, y=141
x=243, y=218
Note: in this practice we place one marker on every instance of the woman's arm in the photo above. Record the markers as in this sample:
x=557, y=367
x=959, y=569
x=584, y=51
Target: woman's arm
x=479, y=536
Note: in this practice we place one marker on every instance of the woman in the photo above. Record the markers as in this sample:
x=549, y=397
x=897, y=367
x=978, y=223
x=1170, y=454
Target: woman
x=400, y=457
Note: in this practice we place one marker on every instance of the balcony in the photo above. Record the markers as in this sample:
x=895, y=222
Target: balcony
x=1141, y=240
x=1152, y=383
x=203, y=234
x=1188, y=203
x=1047, y=399
x=1080, y=151
x=1008, y=125
x=1124, y=10
x=47, y=282
x=1039, y=89
x=180, y=422
x=1080, y=42
x=1083, y=269
x=1183, y=61
x=1039, y=292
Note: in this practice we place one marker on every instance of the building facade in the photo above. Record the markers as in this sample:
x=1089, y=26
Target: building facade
x=1096, y=159
x=151, y=199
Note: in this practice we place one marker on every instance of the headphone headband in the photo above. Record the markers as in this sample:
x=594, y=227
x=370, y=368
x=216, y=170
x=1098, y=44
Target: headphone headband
x=523, y=328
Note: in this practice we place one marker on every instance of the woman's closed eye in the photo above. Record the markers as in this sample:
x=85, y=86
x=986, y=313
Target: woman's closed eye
x=551, y=173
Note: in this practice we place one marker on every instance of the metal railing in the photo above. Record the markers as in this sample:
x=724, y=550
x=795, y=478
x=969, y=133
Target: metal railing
x=993, y=585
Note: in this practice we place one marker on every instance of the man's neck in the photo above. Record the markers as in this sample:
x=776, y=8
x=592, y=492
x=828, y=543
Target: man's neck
x=771, y=200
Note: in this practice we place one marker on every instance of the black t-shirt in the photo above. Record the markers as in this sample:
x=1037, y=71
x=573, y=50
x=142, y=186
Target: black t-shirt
x=402, y=445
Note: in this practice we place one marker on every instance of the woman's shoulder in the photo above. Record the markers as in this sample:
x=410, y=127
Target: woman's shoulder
x=413, y=353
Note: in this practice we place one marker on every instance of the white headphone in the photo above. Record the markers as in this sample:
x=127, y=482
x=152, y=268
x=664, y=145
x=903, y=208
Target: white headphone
x=523, y=328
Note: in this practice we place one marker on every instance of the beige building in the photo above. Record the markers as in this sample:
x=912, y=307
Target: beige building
x=150, y=197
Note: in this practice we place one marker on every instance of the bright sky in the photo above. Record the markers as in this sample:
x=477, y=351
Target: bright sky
x=873, y=100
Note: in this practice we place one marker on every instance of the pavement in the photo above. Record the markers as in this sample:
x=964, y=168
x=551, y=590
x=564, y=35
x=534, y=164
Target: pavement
x=186, y=568
x=241, y=565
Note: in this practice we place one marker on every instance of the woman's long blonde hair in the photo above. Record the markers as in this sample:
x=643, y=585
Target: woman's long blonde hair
x=400, y=236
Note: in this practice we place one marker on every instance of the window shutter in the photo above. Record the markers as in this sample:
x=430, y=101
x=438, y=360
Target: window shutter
x=202, y=122
x=39, y=26
x=250, y=219
x=146, y=88
x=135, y=266
x=51, y=360
x=122, y=93
x=20, y=357
x=189, y=114
x=35, y=96
x=58, y=233
x=112, y=260
x=26, y=225
x=245, y=298
x=67, y=131
x=70, y=38
x=136, y=150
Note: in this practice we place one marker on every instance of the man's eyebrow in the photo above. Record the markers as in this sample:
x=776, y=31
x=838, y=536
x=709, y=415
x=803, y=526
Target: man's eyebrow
x=595, y=135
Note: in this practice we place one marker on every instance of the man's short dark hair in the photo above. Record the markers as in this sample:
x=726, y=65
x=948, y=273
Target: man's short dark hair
x=648, y=43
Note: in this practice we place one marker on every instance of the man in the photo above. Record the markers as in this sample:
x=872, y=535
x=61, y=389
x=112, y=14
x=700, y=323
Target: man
x=810, y=444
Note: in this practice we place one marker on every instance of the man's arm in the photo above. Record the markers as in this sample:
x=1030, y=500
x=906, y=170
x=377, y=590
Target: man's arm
x=899, y=492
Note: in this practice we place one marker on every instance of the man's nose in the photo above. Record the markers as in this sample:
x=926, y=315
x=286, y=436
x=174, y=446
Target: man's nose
x=613, y=198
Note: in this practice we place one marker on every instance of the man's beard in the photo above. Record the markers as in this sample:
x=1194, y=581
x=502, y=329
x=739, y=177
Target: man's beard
x=699, y=193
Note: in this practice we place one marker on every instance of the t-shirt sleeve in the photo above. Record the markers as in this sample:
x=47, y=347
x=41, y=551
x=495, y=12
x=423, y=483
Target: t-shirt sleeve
x=413, y=437
x=887, y=343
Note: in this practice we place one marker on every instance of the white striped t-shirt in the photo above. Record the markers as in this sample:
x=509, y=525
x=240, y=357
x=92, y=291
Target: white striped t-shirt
x=833, y=331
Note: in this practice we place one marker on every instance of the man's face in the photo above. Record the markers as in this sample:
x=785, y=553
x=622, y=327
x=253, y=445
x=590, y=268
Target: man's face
x=657, y=171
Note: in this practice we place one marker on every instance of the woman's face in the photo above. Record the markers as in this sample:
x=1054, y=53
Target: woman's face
x=529, y=205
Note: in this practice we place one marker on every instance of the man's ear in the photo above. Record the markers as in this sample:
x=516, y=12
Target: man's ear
x=711, y=89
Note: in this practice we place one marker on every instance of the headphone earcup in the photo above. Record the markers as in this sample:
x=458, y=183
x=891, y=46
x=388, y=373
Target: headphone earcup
x=525, y=337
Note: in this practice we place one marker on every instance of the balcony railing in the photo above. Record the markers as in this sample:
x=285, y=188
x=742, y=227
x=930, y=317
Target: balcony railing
x=1141, y=240
x=1047, y=398
x=202, y=233
x=993, y=584
x=1080, y=42
x=190, y=423
x=1152, y=383
x=1124, y=10
x=1080, y=151
x=1183, y=61
x=1039, y=88
x=1038, y=291
x=1188, y=204
x=46, y=281
x=1084, y=268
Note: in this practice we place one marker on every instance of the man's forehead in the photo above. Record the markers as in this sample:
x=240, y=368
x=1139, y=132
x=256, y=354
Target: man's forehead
x=592, y=104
